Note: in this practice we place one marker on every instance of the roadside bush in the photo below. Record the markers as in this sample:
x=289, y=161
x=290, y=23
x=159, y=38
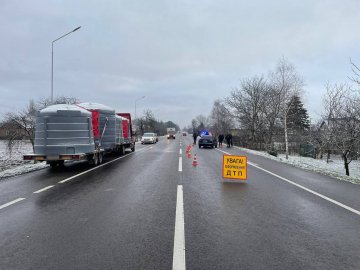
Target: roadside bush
x=272, y=152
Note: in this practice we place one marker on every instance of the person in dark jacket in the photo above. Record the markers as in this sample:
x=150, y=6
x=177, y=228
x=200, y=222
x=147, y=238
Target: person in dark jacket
x=221, y=139
x=228, y=138
x=195, y=137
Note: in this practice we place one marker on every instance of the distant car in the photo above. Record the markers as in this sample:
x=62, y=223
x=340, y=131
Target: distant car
x=148, y=138
x=207, y=141
x=184, y=134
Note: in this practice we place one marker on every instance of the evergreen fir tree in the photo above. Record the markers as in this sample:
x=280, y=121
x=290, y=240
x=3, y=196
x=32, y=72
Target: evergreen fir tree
x=298, y=118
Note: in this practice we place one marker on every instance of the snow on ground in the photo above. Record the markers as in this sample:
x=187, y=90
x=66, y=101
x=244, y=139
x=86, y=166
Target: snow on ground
x=11, y=162
x=335, y=168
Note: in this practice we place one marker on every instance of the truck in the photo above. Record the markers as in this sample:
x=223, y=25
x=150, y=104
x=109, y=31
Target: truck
x=171, y=133
x=85, y=131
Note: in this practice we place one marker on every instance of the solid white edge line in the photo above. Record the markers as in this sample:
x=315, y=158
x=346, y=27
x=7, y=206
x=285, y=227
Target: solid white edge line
x=304, y=188
x=179, y=236
x=309, y=190
x=43, y=189
x=180, y=164
x=97, y=167
x=12, y=202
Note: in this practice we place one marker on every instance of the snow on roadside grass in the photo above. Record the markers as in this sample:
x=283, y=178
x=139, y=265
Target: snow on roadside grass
x=335, y=168
x=12, y=163
x=21, y=169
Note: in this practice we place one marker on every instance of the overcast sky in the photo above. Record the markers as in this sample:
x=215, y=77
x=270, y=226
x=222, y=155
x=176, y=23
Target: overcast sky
x=181, y=55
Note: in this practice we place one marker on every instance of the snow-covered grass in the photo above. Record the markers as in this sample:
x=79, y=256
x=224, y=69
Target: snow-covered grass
x=334, y=168
x=11, y=162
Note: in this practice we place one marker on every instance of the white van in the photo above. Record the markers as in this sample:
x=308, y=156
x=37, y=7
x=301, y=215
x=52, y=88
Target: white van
x=148, y=138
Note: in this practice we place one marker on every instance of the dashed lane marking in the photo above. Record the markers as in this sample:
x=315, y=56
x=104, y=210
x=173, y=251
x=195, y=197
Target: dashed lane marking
x=180, y=164
x=43, y=189
x=11, y=203
x=179, y=237
x=68, y=179
x=304, y=188
x=180, y=152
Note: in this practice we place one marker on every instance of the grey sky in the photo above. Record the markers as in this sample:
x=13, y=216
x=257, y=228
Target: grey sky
x=182, y=55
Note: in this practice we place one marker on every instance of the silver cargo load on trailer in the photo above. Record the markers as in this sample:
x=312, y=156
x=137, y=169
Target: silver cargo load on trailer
x=63, y=129
x=102, y=117
x=119, y=130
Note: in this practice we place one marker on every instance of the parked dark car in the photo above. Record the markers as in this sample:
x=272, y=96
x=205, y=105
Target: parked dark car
x=207, y=141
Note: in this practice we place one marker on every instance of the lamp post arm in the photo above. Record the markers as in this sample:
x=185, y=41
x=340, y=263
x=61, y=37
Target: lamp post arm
x=67, y=34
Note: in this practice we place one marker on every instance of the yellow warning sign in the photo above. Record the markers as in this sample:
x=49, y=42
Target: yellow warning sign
x=235, y=167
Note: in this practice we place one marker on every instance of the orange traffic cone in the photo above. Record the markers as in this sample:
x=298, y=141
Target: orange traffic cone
x=189, y=155
x=188, y=148
x=195, y=163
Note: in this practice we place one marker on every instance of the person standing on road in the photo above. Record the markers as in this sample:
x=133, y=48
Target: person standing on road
x=221, y=139
x=195, y=136
x=228, y=138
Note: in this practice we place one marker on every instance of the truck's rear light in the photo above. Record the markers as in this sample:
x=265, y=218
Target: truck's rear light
x=76, y=156
x=27, y=157
x=66, y=157
x=40, y=158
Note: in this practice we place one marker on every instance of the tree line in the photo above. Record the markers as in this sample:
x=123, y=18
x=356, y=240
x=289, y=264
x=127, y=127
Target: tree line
x=267, y=113
x=20, y=125
x=148, y=123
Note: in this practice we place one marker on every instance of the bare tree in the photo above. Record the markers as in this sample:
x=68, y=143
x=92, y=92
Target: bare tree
x=318, y=137
x=204, y=121
x=286, y=83
x=23, y=121
x=248, y=104
x=272, y=111
x=342, y=109
x=221, y=118
x=356, y=72
x=149, y=121
x=21, y=125
x=194, y=125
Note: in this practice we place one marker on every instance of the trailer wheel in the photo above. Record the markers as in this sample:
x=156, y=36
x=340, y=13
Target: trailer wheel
x=121, y=150
x=101, y=158
x=94, y=160
x=53, y=164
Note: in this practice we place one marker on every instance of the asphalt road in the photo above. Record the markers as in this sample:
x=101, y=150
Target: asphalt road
x=152, y=209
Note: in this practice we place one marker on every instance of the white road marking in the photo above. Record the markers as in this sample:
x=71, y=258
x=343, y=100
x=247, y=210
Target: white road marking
x=180, y=152
x=43, y=189
x=180, y=164
x=309, y=190
x=92, y=169
x=12, y=202
x=304, y=188
x=223, y=151
x=179, y=238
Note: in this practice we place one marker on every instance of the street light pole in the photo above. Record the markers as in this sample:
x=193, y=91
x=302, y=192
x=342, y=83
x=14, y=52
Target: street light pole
x=52, y=62
x=135, y=104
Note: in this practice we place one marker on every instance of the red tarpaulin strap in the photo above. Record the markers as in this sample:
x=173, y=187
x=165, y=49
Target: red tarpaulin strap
x=95, y=123
x=125, y=128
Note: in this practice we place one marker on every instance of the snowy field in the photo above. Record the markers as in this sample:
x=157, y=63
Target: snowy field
x=11, y=162
x=335, y=168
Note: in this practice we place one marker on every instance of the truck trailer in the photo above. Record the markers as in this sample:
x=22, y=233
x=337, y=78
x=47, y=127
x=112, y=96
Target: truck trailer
x=171, y=133
x=86, y=131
